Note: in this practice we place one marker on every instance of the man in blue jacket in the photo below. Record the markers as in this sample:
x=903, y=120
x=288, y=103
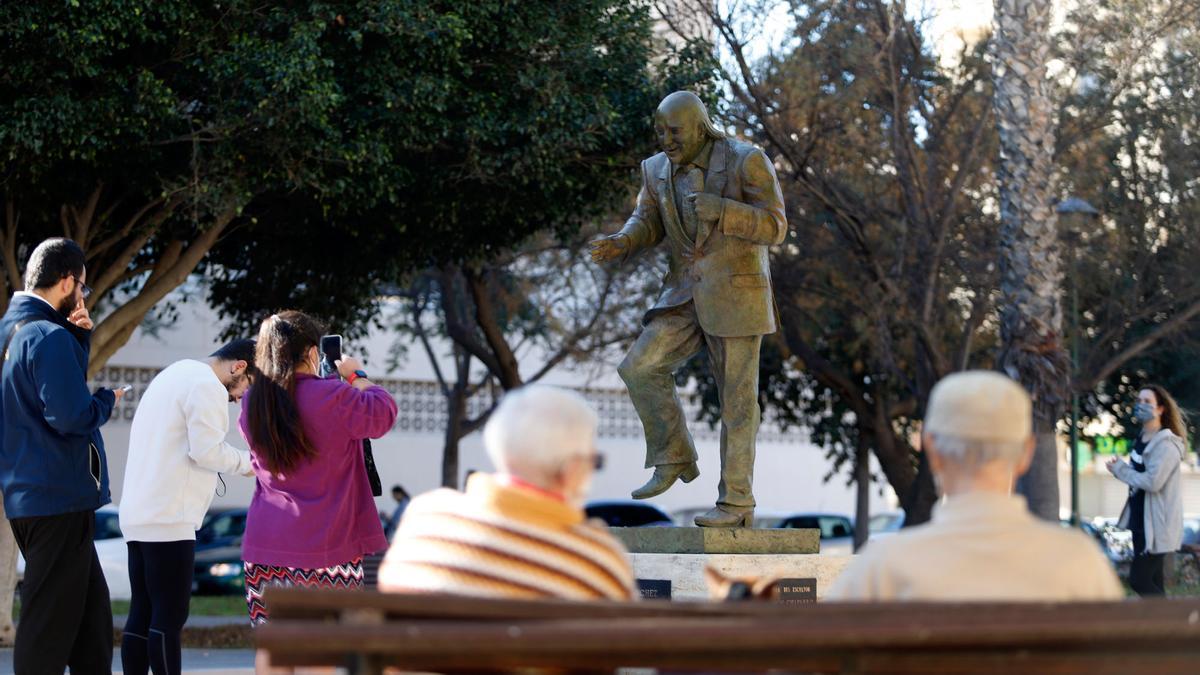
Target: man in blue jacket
x=52, y=466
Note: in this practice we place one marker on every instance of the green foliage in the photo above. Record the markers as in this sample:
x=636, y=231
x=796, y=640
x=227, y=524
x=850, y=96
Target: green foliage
x=1128, y=145
x=884, y=286
x=353, y=141
x=223, y=100
x=470, y=127
x=884, y=158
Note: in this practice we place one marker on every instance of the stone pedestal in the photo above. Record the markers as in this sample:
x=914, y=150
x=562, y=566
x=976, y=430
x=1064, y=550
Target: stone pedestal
x=686, y=571
x=680, y=554
x=718, y=540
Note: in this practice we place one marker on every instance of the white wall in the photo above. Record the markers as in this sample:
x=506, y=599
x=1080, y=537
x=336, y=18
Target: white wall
x=788, y=476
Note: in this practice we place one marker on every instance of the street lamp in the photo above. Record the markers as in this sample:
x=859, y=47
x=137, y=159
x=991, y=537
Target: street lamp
x=1072, y=213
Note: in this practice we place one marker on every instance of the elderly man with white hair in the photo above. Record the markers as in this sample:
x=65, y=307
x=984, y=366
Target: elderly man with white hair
x=982, y=543
x=520, y=532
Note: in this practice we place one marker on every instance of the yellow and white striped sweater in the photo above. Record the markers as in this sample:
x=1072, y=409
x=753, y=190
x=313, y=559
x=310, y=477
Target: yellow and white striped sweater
x=501, y=540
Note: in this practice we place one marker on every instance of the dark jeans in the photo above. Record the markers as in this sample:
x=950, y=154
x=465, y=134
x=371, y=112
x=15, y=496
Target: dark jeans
x=1146, y=574
x=66, y=614
x=160, y=579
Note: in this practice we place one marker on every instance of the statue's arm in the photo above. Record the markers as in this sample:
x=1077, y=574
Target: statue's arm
x=760, y=218
x=644, y=229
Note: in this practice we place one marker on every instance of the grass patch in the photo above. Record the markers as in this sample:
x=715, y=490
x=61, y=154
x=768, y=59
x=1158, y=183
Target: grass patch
x=202, y=605
x=219, y=605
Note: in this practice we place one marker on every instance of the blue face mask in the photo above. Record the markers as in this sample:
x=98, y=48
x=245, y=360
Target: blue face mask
x=1143, y=412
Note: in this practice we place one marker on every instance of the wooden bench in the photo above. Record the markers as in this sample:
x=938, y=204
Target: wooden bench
x=367, y=632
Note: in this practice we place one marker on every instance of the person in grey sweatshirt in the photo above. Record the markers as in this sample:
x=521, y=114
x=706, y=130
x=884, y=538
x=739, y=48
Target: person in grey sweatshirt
x=1154, y=511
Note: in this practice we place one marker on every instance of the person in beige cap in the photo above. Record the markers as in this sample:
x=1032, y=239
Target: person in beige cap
x=982, y=543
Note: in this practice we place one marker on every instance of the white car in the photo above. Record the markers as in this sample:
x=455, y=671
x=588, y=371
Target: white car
x=837, y=531
x=885, y=524
x=110, y=549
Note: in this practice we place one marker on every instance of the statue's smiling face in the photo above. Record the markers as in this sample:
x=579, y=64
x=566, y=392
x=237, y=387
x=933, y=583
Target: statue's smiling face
x=680, y=133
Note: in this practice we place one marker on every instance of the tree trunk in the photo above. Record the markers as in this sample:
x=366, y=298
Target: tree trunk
x=450, y=445
x=1032, y=349
x=921, y=496
x=173, y=268
x=862, y=482
x=457, y=395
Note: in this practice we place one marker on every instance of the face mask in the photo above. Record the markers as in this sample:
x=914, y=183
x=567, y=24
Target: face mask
x=1143, y=412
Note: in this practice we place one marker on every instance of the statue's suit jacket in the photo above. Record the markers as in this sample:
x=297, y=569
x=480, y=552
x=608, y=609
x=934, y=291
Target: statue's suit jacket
x=725, y=269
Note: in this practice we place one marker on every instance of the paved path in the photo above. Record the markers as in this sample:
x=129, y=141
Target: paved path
x=205, y=661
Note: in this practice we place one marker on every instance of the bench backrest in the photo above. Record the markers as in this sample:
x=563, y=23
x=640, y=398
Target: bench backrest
x=368, y=631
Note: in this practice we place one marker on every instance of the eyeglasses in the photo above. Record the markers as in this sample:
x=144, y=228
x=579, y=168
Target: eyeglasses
x=87, y=290
x=597, y=461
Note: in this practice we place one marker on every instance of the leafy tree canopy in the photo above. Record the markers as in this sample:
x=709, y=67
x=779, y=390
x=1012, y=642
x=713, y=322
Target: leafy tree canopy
x=478, y=125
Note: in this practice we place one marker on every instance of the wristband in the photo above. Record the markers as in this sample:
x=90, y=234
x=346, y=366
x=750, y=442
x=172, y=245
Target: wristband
x=355, y=375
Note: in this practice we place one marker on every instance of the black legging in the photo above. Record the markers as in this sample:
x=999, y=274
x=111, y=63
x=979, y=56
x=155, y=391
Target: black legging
x=1146, y=575
x=160, y=577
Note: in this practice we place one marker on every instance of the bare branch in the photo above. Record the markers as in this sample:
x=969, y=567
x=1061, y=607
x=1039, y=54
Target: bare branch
x=485, y=315
x=1160, y=331
x=456, y=324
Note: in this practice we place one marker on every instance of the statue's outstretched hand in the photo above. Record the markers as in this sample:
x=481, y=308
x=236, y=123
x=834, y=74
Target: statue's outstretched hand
x=609, y=248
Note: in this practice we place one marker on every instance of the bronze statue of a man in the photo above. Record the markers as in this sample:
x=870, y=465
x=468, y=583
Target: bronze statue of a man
x=716, y=204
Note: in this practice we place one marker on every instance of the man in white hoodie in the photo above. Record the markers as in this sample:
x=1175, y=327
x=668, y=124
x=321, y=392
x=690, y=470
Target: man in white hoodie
x=176, y=449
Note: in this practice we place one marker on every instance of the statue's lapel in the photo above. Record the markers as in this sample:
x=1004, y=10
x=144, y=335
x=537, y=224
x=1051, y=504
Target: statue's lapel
x=714, y=183
x=666, y=199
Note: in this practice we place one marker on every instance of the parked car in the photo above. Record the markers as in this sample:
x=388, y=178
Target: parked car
x=686, y=517
x=837, y=531
x=221, y=527
x=766, y=520
x=111, y=551
x=218, y=566
x=885, y=524
x=762, y=519
x=628, y=513
x=219, y=571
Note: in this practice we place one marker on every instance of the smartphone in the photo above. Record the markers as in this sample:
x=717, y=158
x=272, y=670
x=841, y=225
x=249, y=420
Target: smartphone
x=331, y=353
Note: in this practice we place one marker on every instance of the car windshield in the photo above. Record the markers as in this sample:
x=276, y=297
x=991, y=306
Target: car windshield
x=222, y=525
x=831, y=527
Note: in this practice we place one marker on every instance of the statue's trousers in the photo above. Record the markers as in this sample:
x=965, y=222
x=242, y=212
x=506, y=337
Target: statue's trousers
x=668, y=340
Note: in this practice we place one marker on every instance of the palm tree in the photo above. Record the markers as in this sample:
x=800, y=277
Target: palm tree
x=1032, y=348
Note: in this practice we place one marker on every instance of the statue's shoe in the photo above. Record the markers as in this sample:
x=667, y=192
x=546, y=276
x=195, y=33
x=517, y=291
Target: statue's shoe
x=727, y=516
x=664, y=477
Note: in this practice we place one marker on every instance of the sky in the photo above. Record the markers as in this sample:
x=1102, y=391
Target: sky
x=948, y=19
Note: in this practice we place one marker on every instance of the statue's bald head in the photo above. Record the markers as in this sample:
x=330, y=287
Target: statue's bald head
x=682, y=125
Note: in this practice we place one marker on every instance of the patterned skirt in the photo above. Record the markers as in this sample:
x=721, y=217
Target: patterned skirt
x=260, y=577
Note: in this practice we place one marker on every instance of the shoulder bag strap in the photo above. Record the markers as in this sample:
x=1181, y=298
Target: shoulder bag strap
x=11, y=334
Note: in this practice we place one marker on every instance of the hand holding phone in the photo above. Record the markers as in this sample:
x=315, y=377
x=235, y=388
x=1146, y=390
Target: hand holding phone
x=347, y=365
x=122, y=390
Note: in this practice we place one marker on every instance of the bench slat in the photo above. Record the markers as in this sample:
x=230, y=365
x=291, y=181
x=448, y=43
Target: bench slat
x=447, y=633
x=736, y=645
